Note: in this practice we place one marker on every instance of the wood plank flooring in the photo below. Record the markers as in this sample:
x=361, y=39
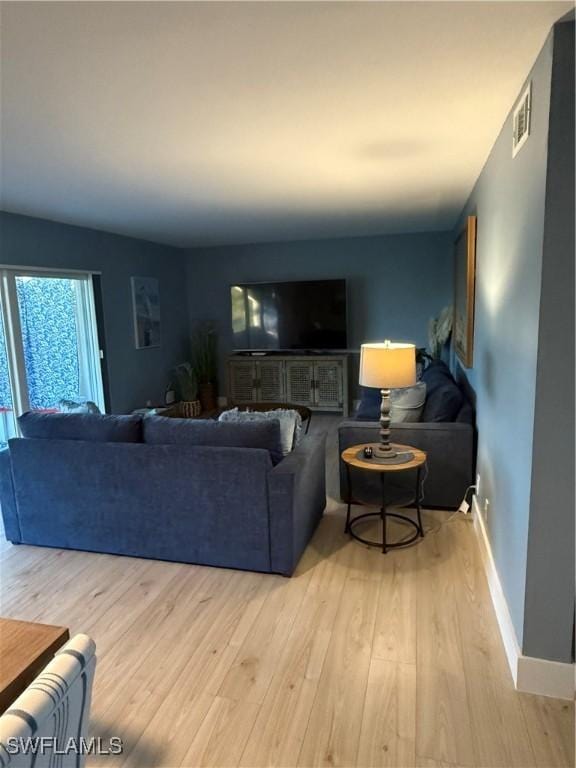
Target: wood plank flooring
x=358, y=660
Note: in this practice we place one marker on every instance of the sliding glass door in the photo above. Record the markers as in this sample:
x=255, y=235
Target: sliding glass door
x=49, y=352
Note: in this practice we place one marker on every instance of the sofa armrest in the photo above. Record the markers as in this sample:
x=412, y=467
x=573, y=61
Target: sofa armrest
x=297, y=499
x=8, y=499
x=450, y=447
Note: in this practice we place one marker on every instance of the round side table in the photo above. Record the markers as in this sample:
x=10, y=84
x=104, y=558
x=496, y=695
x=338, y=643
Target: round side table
x=353, y=457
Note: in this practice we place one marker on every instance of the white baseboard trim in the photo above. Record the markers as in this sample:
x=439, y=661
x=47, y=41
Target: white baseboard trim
x=546, y=678
x=503, y=617
x=530, y=675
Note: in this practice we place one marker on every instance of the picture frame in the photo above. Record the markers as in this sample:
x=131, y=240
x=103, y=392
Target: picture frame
x=146, y=312
x=464, y=292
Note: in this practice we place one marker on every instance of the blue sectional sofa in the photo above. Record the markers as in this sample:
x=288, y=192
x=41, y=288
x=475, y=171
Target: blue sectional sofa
x=171, y=489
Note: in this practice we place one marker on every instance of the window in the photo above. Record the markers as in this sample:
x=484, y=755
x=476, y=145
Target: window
x=49, y=354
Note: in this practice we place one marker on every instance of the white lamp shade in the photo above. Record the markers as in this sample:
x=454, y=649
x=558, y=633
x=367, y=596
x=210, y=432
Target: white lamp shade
x=387, y=365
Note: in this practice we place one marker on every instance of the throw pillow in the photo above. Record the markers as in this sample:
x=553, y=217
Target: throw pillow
x=406, y=405
x=436, y=375
x=82, y=406
x=444, y=399
x=443, y=404
x=369, y=408
x=290, y=423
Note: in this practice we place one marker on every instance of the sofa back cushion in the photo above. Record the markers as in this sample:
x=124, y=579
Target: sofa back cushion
x=92, y=427
x=163, y=430
x=466, y=413
x=369, y=406
x=444, y=398
x=290, y=423
x=436, y=374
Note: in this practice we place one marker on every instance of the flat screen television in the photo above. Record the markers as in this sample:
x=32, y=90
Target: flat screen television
x=303, y=315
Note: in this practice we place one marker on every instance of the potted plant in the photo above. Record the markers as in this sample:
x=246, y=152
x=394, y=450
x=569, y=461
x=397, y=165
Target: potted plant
x=187, y=390
x=205, y=364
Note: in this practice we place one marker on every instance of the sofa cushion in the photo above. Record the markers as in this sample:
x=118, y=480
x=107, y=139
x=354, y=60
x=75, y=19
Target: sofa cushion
x=444, y=398
x=466, y=413
x=163, y=430
x=443, y=404
x=435, y=375
x=369, y=407
x=93, y=427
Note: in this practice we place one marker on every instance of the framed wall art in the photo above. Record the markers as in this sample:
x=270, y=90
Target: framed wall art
x=464, y=292
x=146, y=309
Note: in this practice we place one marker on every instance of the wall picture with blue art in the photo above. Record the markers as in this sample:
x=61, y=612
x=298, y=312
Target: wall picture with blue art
x=146, y=306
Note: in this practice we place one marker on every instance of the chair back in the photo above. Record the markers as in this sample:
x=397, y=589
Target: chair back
x=47, y=725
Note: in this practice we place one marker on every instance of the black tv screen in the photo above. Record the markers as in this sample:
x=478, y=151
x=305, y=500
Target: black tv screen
x=289, y=316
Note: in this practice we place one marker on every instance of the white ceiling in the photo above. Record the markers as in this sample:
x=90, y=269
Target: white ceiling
x=201, y=123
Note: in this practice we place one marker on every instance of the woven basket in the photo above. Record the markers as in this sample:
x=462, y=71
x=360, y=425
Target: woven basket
x=189, y=409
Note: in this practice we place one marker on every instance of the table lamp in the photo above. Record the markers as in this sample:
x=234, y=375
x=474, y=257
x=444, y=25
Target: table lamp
x=388, y=365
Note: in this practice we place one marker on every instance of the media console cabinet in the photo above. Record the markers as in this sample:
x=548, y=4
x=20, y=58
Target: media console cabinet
x=319, y=382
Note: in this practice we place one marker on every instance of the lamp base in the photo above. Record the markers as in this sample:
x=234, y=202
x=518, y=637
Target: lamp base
x=385, y=452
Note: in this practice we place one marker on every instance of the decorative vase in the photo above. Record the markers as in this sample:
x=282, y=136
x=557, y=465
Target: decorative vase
x=207, y=395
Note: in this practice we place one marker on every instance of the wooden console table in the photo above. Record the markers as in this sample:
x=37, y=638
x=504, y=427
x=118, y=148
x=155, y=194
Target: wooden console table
x=318, y=382
x=25, y=649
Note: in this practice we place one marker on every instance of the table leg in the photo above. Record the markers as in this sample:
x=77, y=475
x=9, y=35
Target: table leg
x=418, y=510
x=349, y=483
x=383, y=511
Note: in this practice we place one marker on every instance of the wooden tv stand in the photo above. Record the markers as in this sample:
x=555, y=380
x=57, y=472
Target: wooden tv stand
x=320, y=382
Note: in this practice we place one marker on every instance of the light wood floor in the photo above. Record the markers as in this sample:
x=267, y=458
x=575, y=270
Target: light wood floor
x=358, y=660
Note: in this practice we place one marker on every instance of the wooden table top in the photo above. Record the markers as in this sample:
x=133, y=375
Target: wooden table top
x=25, y=649
x=349, y=456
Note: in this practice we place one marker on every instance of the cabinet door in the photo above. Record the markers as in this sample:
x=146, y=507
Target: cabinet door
x=328, y=384
x=270, y=376
x=299, y=382
x=242, y=381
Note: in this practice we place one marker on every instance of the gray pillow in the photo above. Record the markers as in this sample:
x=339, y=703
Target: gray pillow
x=290, y=423
x=406, y=405
x=78, y=406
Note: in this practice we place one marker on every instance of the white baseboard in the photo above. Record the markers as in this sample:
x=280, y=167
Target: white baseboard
x=530, y=675
x=503, y=617
x=546, y=678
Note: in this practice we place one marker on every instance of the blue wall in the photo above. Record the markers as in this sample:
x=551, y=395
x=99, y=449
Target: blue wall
x=396, y=283
x=135, y=375
x=509, y=200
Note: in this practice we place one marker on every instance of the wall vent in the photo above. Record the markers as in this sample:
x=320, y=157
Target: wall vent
x=521, y=121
